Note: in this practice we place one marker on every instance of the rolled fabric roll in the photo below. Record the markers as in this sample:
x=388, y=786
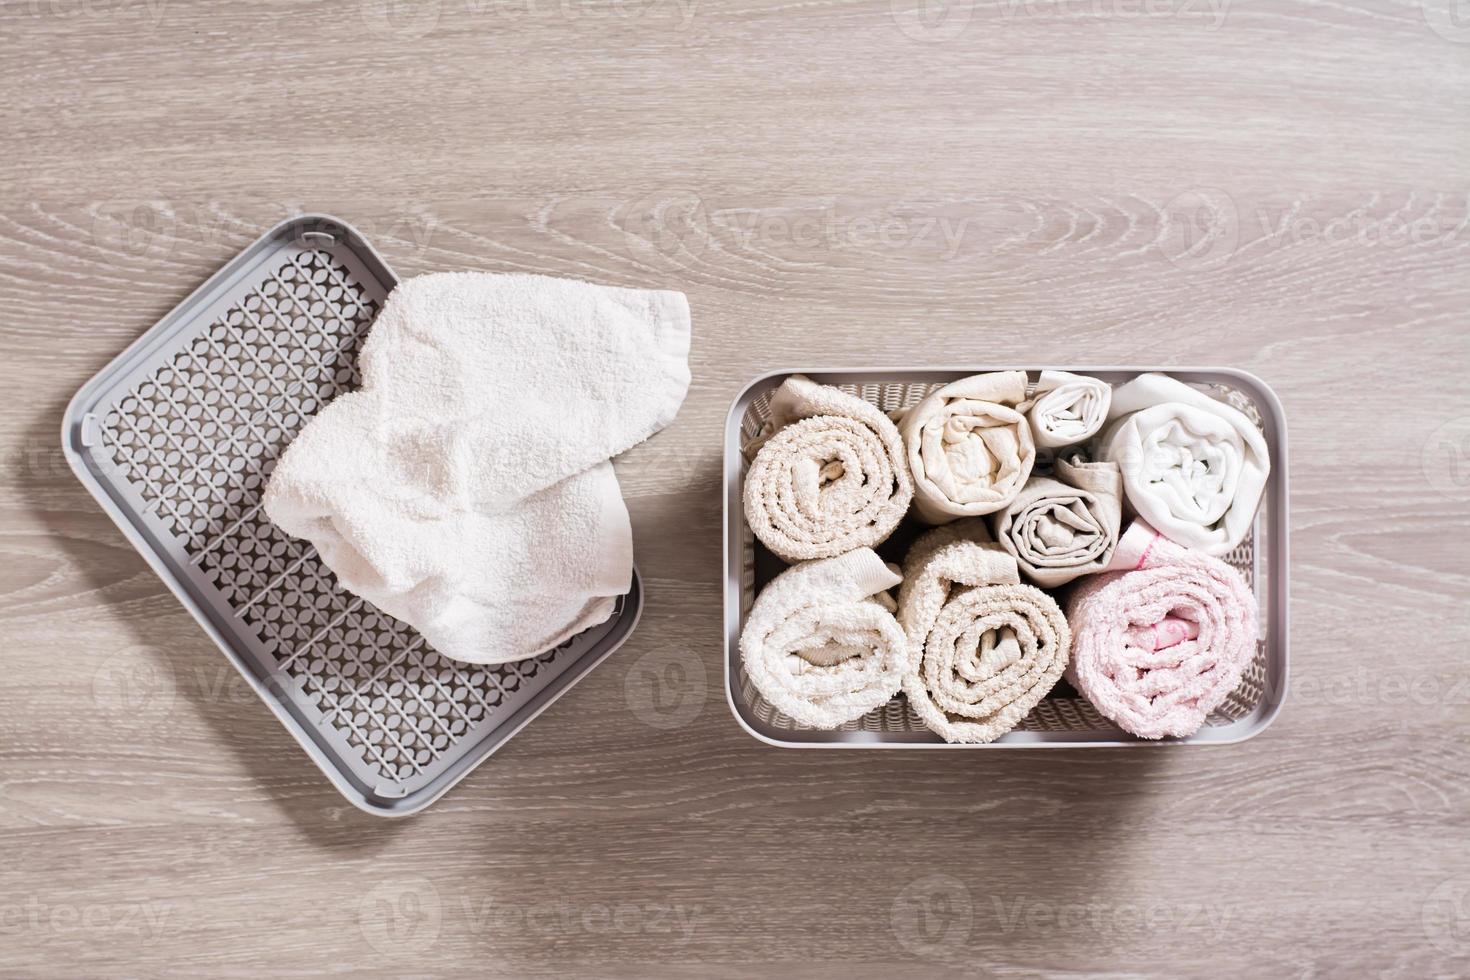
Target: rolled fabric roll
x=1193, y=468
x=1067, y=408
x=1058, y=529
x=983, y=648
x=821, y=642
x=969, y=446
x=1160, y=645
x=829, y=474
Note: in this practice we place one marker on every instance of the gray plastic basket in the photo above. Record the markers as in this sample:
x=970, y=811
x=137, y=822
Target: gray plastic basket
x=1064, y=718
x=176, y=439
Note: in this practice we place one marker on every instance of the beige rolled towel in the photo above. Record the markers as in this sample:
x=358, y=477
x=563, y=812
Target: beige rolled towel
x=983, y=648
x=1061, y=528
x=829, y=474
x=969, y=446
x=821, y=642
x=1067, y=408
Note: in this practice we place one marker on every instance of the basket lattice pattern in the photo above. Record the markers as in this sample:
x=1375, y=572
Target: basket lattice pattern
x=197, y=440
x=1054, y=714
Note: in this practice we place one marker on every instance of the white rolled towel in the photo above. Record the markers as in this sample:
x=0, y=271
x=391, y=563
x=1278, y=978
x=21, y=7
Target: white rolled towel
x=983, y=648
x=1067, y=408
x=1193, y=467
x=821, y=643
x=828, y=476
x=969, y=446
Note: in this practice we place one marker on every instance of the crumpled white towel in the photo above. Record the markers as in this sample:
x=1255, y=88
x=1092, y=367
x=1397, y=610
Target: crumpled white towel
x=969, y=446
x=1067, y=408
x=829, y=473
x=983, y=648
x=821, y=643
x=1193, y=467
x=466, y=488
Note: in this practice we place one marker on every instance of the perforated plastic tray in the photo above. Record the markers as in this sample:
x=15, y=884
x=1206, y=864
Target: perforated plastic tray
x=176, y=439
x=1064, y=718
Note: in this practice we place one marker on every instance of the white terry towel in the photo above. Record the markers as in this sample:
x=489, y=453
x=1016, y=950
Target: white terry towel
x=969, y=446
x=821, y=643
x=466, y=488
x=1193, y=467
x=828, y=476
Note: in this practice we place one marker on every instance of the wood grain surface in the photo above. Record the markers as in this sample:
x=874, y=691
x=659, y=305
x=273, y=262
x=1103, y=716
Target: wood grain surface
x=1278, y=185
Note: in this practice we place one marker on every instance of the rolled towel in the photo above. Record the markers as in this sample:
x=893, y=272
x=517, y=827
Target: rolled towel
x=1193, y=467
x=1058, y=529
x=821, y=643
x=983, y=649
x=829, y=474
x=1160, y=645
x=969, y=446
x=1067, y=408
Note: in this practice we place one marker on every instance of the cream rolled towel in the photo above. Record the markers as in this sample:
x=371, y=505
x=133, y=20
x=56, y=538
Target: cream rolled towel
x=821, y=643
x=1061, y=528
x=466, y=488
x=1194, y=468
x=969, y=446
x=1162, y=641
x=983, y=648
x=828, y=476
x=1067, y=408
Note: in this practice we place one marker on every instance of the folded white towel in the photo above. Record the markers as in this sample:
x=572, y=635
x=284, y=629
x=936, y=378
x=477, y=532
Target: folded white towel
x=1067, y=408
x=821, y=643
x=465, y=489
x=969, y=446
x=1193, y=467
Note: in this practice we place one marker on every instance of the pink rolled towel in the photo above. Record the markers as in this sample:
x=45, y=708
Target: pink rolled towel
x=1159, y=643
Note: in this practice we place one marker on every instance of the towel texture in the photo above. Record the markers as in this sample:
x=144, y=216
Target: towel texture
x=829, y=474
x=466, y=488
x=1067, y=408
x=1061, y=528
x=821, y=643
x=969, y=446
x=983, y=649
x=1162, y=642
x=1193, y=467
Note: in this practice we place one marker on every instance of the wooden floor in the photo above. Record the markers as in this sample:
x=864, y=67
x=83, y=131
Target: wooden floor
x=1279, y=185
